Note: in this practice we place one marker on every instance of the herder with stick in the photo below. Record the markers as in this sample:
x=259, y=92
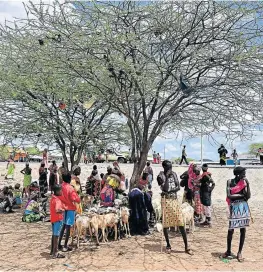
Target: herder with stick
x=171, y=210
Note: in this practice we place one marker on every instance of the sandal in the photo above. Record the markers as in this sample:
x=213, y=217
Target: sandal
x=168, y=250
x=189, y=251
x=227, y=255
x=240, y=258
x=66, y=249
x=58, y=256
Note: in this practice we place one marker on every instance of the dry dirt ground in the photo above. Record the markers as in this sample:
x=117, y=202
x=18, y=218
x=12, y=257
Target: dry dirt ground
x=26, y=246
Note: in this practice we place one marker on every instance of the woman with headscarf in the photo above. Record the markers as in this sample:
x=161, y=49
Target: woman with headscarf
x=32, y=210
x=194, y=185
x=107, y=194
x=117, y=179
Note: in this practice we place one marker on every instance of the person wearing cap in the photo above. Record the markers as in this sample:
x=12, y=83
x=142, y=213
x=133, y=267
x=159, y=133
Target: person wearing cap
x=238, y=194
x=138, y=206
x=69, y=198
x=207, y=186
x=171, y=211
x=27, y=178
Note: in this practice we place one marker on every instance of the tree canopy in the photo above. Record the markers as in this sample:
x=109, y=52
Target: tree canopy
x=161, y=66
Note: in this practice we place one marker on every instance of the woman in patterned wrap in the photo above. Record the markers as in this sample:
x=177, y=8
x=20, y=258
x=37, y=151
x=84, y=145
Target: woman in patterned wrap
x=238, y=193
x=172, y=213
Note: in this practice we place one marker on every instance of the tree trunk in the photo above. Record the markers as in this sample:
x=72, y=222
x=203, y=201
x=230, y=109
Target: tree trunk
x=65, y=159
x=138, y=167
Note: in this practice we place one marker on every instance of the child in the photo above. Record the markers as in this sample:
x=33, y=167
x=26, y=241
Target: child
x=56, y=218
x=27, y=178
x=69, y=198
x=18, y=195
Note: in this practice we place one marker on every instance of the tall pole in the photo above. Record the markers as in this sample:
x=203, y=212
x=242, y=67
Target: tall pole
x=201, y=144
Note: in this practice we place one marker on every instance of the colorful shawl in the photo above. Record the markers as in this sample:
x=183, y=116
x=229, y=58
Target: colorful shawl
x=236, y=189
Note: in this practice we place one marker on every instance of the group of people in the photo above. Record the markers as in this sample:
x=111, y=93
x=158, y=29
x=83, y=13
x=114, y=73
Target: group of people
x=197, y=183
x=156, y=158
x=198, y=188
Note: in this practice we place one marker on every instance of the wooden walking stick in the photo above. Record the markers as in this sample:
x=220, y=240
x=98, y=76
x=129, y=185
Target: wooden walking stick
x=163, y=215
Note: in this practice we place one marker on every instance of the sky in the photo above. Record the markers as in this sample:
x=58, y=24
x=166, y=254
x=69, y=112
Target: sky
x=170, y=143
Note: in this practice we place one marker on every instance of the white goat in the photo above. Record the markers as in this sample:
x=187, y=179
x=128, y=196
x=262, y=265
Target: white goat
x=188, y=216
x=124, y=220
x=82, y=222
x=156, y=203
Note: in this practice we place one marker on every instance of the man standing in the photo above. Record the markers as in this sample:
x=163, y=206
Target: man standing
x=207, y=186
x=260, y=154
x=234, y=156
x=222, y=154
x=171, y=211
x=184, y=156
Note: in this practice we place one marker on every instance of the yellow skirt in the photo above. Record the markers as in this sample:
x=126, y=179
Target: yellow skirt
x=172, y=213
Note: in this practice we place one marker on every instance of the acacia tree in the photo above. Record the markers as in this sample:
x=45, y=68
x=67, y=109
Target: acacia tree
x=174, y=65
x=40, y=104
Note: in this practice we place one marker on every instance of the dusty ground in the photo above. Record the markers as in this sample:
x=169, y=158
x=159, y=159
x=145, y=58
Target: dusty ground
x=26, y=246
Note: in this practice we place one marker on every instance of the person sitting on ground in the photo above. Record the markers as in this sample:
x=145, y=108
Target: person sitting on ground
x=69, y=198
x=118, y=179
x=93, y=183
x=6, y=200
x=18, y=195
x=56, y=219
x=27, y=179
x=32, y=210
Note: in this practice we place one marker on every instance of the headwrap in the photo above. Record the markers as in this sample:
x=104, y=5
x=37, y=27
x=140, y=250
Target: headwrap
x=205, y=166
x=238, y=170
x=75, y=167
x=115, y=164
x=142, y=182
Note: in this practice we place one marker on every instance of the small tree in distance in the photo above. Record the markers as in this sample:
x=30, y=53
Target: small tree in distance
x=253, y=148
